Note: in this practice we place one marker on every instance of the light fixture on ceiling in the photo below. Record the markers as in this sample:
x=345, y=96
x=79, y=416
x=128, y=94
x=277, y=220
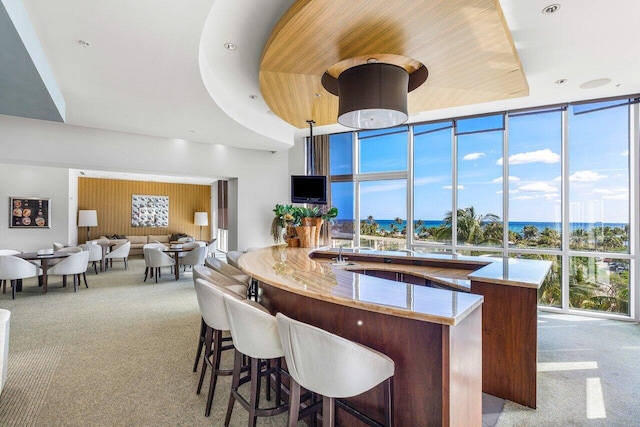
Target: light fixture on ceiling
x=592, y=84
x=552, y=8
x=230, y=46
x=373, y=95
x=84, y=43
x=560, y=81
x=253, y=96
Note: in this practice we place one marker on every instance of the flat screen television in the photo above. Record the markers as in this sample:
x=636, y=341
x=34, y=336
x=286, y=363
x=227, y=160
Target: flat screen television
x=309, y=189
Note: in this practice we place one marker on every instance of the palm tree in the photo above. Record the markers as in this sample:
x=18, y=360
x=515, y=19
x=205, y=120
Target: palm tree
x=550, y=238
x=578, y=239
x=471, y=226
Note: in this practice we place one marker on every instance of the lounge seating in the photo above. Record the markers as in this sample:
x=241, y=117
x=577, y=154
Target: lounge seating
x=138, y=242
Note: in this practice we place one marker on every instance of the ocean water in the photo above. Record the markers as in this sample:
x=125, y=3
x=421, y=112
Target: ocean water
x=385, y=224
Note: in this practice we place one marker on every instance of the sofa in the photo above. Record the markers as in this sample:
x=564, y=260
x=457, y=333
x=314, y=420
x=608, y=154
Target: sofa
x=138, y=242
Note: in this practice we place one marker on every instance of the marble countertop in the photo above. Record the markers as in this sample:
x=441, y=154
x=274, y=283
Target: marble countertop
x=293, y=270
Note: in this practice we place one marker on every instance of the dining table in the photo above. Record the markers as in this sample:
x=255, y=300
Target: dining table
x=176, y=251
x=44, y=264
x=106, y=248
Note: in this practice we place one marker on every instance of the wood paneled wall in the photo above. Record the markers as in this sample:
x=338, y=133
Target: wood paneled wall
x=112, y=199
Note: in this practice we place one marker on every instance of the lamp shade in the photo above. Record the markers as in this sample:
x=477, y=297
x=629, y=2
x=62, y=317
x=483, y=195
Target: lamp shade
x=201, y=219
x=87, y=218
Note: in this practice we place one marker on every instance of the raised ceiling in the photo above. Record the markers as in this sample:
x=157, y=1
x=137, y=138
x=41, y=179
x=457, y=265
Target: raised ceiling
x=159, y=67
x=465, y=45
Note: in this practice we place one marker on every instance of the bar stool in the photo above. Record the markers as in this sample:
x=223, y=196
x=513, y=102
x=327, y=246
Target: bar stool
x=333, y=367
x=206, y=273
x=255, y=335
x=213, y=313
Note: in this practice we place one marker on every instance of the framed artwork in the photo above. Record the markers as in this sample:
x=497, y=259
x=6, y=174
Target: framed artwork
x=149, y=211
x=29, y=212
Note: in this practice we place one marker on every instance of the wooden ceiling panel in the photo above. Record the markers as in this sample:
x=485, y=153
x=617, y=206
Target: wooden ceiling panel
x=464, y=44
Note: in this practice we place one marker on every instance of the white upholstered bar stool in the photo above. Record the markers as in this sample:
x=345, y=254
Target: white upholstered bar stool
x=227, y=270
x=205, y=273
x=333, y=367
x=233, y=257
x=212, y=309
x=255, y=335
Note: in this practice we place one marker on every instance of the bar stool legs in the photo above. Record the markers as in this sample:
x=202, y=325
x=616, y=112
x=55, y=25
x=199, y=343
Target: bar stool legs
x=201, y=338
x=214, y=346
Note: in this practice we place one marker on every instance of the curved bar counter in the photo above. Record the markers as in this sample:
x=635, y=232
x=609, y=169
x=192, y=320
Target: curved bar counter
x=389, y=301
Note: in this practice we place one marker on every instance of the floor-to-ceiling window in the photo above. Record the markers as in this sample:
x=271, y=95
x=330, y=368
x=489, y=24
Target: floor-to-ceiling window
x=551, y=183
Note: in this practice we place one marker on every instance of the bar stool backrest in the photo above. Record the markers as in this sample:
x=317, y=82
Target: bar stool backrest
x=328, y=364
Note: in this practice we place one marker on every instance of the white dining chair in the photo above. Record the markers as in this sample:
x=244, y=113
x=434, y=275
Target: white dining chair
x=119, y=252
x=73, y=265
x=95, y=254
x=195, y=256
x=5, y=252
x=155, y=259
x=13, y=269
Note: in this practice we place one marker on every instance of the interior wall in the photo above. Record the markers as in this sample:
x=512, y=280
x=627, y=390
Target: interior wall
x=42, y=182
x=111, y=198
x=263, y=176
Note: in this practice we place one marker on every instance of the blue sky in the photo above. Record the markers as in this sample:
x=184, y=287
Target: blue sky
x=598, y=168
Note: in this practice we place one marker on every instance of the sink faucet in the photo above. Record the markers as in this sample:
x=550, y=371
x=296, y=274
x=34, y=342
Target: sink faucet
x=340, y=255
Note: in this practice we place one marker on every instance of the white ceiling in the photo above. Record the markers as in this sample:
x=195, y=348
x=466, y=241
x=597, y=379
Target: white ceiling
x=158, y=67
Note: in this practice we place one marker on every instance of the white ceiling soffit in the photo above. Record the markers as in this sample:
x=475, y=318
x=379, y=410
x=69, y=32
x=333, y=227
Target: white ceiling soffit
x=231, y=76
x=27, y=85
x=85, y=173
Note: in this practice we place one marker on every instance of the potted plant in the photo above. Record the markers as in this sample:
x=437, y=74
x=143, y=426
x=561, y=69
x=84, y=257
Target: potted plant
x=285, y=215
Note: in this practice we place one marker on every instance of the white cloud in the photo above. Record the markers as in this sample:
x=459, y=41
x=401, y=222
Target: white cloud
x=539, y=156
x=523, y=198
x=430, y=180
x=383, y=187
x=625, y=153
x=541, y=187
x=449, y=187
x=586, y=176
x=619, y=193
x=499, y=192
x=616, y=197
x=511, y=179
x=473, y=156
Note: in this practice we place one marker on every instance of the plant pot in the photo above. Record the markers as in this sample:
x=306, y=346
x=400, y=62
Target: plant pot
x=318, y=224
x=307, y=221
x=293, y=242
x=306, y=235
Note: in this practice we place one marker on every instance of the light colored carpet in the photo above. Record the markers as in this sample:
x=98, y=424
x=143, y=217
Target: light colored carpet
x=120, y=354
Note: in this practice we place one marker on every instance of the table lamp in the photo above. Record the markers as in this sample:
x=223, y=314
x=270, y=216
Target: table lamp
x=87, y=219
x=201, y=219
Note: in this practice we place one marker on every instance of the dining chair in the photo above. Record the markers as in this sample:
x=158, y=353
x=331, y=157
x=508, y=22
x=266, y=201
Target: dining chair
x=195, y=256
x=95, y=254
x=13, y=269
x=155, y=259
x=57, y=246
x=4, y=252
x=121, y=251
x=74, y=265
x=211, y=248
x=333, y=367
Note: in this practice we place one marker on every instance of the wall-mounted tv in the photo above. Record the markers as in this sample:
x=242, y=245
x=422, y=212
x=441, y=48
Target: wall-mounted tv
x=309, y=189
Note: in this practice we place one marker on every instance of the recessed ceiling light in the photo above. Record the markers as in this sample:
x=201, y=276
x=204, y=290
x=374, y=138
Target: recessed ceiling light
x=230, y=46
x=592, y=84
x=84, y=43
x=552, y=8
x=560, y=81
x=192, y=131
x=253, y=96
